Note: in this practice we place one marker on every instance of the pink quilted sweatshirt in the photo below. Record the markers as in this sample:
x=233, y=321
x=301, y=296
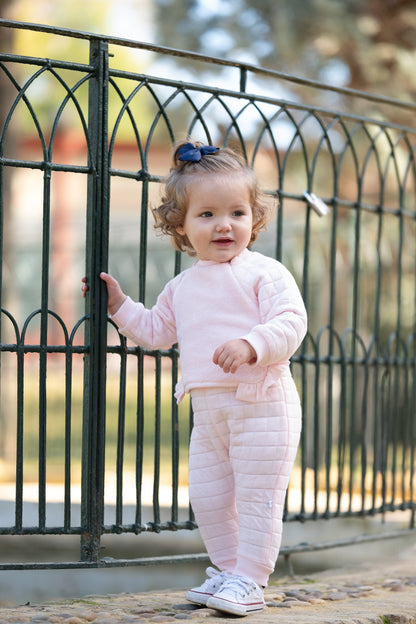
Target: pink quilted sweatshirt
x=252, y=297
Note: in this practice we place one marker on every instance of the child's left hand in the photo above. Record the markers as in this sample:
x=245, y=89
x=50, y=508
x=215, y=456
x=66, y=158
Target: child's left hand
x=232, y=354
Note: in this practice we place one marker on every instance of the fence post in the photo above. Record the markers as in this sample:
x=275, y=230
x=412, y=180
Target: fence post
x=93, y=454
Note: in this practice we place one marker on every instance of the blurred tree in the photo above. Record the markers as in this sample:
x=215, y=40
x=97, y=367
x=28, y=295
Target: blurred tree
x=93, y=16
x=364, y=44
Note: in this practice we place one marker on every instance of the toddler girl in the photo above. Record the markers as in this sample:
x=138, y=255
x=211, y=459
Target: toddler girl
x=238, y=317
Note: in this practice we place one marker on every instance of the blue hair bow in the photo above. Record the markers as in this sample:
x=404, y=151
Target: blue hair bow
x=191, y=153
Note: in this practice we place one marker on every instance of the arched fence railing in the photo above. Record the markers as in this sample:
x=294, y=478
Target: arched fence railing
x=92, y=441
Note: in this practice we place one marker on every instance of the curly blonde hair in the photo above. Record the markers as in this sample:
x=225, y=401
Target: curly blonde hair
x=172, y=211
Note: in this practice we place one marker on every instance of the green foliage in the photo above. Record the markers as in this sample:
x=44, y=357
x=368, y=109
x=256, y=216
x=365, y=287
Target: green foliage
x=49, y=90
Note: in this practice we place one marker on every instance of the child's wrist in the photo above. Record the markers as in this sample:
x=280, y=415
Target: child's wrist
x=116, y=306
x=253, y=355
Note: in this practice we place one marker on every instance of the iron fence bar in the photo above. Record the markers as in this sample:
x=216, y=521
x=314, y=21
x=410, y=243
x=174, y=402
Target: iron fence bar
x=44, y=317
x=139, y=435
x=316, y=439
x=40, y=61
x=396, y=389
x=364, y=453
x=26, y=348
x=156, y=469
x=36, y=530
x=169, y=526
x=19, y=440
x=304, y=385
x=406, y=433
x=151, y=527
x=353, y=442
x=243, y=79
x=143, y=240
x=120, y=438
x=385, y=398
x=68, y=432
x=411, y=380
x=27, y=164
x=92, y=496
x=342, y=436
x=175, y=441
x=331, y=341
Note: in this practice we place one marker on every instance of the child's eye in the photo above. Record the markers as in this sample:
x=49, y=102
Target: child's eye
x=206, y=213
x=238, y=213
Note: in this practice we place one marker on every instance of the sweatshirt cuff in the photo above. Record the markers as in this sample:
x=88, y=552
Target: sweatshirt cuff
x=123, y=313
x=259, y=345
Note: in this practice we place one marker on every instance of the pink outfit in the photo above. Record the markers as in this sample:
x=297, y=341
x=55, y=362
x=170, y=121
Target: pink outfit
x=252, y=297
x=240, y=459
x=246, y=424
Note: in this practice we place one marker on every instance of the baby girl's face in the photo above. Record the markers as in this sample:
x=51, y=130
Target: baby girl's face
x=219, y=219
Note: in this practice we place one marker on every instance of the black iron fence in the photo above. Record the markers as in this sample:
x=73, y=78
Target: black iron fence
x=92, y=441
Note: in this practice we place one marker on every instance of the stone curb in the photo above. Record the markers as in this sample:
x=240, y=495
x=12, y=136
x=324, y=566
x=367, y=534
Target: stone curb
x=333, y=597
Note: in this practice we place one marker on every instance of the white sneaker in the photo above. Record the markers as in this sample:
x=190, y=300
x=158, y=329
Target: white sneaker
x=200, y=595
x=239, y=596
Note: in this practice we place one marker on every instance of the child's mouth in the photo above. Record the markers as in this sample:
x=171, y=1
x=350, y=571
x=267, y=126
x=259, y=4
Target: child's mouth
x=223, y=241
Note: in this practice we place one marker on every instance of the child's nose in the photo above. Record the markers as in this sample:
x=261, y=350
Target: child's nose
x=223, y=224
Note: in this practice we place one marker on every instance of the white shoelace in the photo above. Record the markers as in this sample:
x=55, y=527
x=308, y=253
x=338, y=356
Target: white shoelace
x=238, y=586
x=214, y=575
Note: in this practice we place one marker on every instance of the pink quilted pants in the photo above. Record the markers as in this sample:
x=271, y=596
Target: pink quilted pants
x=241, y=457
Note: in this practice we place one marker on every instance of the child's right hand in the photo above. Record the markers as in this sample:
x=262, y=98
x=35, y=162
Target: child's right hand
x=116, y=296
x=233, y=353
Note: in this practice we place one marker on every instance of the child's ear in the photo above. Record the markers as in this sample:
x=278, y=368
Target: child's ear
x=180, y=230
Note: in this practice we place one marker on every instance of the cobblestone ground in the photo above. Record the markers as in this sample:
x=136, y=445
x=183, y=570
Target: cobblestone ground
x=386, y=595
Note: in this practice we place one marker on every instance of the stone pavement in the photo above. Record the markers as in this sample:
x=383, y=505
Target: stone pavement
x=381, y=593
